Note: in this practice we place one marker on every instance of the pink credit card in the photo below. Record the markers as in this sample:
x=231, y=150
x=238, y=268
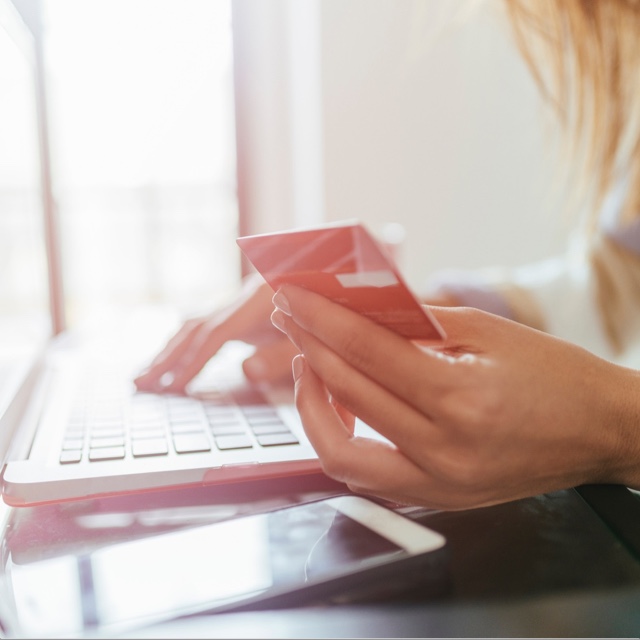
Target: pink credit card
x=347, y=265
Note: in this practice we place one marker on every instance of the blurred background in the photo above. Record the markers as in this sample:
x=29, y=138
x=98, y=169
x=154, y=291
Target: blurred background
x=177, y=125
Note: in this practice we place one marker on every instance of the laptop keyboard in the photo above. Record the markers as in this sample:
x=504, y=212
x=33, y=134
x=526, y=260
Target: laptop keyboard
x=113, y=424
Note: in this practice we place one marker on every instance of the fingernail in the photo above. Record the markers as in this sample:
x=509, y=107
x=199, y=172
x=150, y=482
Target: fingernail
x=281, y=302
x=167, y=379
x=278, y=320
x=297, y=366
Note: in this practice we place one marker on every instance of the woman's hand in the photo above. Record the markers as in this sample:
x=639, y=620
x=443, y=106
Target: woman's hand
x=199, y=340
x=496, y=412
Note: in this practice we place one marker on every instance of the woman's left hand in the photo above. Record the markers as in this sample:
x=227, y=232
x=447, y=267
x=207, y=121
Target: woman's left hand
x=495, y=412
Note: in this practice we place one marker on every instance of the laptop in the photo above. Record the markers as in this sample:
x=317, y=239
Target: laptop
x=71, y=423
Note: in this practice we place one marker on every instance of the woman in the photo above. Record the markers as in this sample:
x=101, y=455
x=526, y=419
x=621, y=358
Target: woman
x=501, y=409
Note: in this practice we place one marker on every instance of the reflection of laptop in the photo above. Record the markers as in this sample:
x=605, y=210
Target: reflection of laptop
x=56, y=445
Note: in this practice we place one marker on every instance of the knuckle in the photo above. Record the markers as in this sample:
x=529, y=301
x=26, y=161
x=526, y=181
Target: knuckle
x=474, y=411
x=458, y=468
x=356, y=348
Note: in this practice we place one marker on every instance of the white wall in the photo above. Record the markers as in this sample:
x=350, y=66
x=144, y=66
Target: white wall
x=426, y=120
x=439, y=128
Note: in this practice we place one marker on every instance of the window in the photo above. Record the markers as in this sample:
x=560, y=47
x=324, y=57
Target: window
x=143, y=152
x=24, y=316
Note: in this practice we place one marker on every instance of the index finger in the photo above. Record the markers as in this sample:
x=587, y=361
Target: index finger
x=396, y=363
x=165, y=360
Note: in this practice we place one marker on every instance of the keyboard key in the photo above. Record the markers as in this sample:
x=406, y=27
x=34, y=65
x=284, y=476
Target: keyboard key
x=191, y=443
x=225, y=418
x=75, y=430
x=187, y=416
x=107, y=433
x=117, y=441
x=187, y=427
x=142, y=415
x=276, y=439
x=106, y=421
x=180, y=404
x=265, y=429
x=150, y=447
x=228, y=429
x=259, y=411
x=71, y=457
x=233, y=442
x=104, y=453
x=144, y=431
x=72, y=443
x=219, y=412
x=266, y=419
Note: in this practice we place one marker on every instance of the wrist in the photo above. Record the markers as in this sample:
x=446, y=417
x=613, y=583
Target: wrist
x=623, y=397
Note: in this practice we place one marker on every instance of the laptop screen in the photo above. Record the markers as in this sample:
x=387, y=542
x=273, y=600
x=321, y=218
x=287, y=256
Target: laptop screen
x=25, y=321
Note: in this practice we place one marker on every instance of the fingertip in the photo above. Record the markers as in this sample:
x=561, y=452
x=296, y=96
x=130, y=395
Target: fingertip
x=281, y=302
x=172, y=382
x=150, y=377
x=278, y=319
x=297, y=366
x=143, y=382
x=255, y=369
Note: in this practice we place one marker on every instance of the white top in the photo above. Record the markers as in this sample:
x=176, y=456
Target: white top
x=578, y=296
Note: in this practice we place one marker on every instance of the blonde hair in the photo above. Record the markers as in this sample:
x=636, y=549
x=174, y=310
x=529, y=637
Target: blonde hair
x=585, y=58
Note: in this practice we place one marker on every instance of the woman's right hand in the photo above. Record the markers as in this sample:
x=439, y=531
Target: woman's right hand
x=199, y=339
x=496, y=411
